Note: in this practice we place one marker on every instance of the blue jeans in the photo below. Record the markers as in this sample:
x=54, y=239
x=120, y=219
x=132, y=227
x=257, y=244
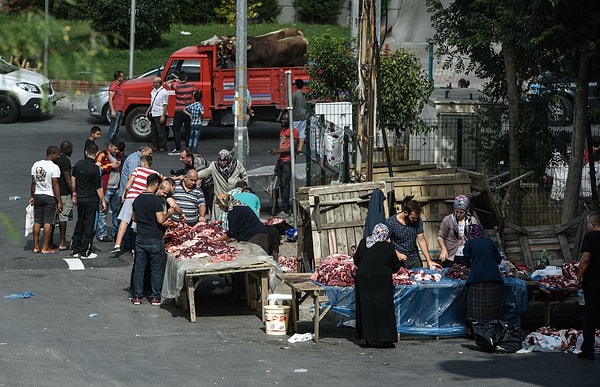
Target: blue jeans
x=194, y=137
x=113, y=129
x=152, y=250
x=113, y=202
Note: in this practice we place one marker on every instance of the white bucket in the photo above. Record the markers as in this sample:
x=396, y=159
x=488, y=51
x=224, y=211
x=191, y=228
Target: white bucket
x=276, y=319
x=279, y=299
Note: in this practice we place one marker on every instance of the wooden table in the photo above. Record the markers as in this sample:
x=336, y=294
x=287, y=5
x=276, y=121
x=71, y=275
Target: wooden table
x=302, y=287
x=549, y=295
x=192, y=279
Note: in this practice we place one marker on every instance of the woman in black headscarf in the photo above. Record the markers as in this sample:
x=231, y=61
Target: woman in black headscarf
x=375, y=315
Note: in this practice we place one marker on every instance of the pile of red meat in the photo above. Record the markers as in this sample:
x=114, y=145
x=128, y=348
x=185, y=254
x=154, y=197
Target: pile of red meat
x=336, y=270
x=186, y=242
x=288, y=264
x=457, y=271
x=403, y=277
x=566, y=280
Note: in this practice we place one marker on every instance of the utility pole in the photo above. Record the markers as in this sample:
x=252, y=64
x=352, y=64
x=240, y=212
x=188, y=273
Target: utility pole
x=132, y=13
x=240, y=140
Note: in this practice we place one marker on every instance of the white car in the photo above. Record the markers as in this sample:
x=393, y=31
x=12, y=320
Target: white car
x=24, y=93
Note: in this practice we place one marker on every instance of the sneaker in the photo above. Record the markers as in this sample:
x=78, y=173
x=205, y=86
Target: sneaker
x=155, y=301
x=74, y=254
x=115, y=250
x=175, y=152
x=105, y=238
x=89, y=256
x=136, y=301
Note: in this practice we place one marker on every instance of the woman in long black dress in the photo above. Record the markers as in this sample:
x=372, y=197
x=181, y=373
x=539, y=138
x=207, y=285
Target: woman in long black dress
x=375, y=316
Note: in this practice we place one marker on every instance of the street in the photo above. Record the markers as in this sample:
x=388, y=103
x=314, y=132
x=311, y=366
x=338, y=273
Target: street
x=79, y=328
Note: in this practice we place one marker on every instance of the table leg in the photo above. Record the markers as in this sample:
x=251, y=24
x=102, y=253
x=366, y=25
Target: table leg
x=264, y=292
x=317, y=315
x=189, y=283
x=295, y=311
x=247, y=290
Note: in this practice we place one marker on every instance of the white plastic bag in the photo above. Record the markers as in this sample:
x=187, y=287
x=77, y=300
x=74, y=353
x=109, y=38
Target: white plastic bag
x=29, y=219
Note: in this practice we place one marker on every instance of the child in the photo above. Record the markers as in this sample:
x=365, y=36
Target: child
x=195, y=111
x=95, y=133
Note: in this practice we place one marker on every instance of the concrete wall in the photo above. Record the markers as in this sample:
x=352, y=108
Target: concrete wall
x=288, y=13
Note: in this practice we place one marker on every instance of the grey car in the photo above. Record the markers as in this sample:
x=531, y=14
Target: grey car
x=98, y=101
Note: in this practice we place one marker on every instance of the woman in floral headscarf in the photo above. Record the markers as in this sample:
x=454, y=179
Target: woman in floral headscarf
x=451, y=236
x=485, y=288
x=375, y=316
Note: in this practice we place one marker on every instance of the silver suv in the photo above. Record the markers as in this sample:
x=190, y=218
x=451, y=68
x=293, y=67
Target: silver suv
x=24, y=93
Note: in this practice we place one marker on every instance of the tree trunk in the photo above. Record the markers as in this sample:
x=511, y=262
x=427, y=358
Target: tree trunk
x=512, y=92
x=571, y=201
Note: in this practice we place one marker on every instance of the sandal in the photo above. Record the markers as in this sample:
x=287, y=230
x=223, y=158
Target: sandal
x=48, y=251
x=63, y=248
x=37, y=251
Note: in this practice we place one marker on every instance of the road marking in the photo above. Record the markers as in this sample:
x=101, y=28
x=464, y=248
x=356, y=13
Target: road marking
x=74, y=263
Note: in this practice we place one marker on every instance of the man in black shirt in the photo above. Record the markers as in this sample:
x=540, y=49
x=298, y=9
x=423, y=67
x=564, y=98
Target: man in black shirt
x=87, y=194
x=149, y=215
x=66, y=191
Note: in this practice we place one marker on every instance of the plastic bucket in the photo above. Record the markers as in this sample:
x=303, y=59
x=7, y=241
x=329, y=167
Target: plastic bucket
x=279, y=299
x=276, y=319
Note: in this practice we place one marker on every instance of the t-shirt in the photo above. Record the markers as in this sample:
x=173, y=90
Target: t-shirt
x=43, y=172
x=119, y=97
x=299, y=103
x=591, y=244
x=64, y=164
x=145, y=207
x=249, y=199
x=183, y=95
x=139, y=183
x=404, y=237
x=284, y=143
x=189, y=202
x=87, y=180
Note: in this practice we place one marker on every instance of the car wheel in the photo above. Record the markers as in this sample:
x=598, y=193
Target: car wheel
x=9, y=109
x=138, y=125
x=560, y=111
x=106, y=113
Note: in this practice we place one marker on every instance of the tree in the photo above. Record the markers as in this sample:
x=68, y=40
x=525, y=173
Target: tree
x=318, y=11
x=153, y=18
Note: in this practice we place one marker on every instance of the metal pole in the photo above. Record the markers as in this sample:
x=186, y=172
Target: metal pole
x=46, y=39
x=132, y=12
x=240, y=140
x=290, y=108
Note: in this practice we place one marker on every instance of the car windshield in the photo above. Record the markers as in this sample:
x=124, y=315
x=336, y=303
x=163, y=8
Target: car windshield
x=6, y=67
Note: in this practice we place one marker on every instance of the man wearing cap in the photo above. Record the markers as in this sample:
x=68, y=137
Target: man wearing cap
x=451, y=236
x=226, y=171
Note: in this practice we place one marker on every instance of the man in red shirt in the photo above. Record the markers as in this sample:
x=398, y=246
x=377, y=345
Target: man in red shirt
x=283, y=169
x=116, y=101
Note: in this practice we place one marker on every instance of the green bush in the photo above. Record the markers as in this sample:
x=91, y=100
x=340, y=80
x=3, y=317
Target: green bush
x=318, y=11
x=154, y=18
x=268, y=11
x=197, y=12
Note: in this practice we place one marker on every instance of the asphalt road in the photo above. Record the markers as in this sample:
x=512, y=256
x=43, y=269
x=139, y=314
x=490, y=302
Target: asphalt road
x=80, y=329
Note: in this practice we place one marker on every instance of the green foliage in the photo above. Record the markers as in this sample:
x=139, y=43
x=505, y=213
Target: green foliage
x=405, y=89
x=72, y=53
x=68, y=9
x=197, y=12
x=226, y=11
x=154, y=18
x=268, y=11
x=318, y=11
x=333, y=68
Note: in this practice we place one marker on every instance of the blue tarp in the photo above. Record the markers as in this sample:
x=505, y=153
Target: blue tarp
x=431, y=308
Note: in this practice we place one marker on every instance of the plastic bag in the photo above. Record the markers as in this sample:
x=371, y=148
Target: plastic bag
x=495, y=335
x=29, y=219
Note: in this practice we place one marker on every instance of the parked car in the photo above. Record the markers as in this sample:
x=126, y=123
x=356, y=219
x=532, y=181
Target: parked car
x=24, y=93
x=98, y=101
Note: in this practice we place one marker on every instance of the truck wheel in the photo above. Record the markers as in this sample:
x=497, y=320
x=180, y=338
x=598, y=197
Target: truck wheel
x=561, y=111
x=137, y=124
x=9, y=109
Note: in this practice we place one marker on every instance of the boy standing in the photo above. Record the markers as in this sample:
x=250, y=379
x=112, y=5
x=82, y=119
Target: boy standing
x=95, y=133
x=195, y=111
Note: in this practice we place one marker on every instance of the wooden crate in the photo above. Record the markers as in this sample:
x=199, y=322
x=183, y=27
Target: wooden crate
x=435, y=193
x=333, y=218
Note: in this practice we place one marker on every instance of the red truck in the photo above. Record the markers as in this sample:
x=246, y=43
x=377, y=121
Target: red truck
x=267, y=87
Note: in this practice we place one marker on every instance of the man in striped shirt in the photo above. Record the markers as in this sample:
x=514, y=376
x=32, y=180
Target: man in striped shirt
x=183, y=97
x=135, y=186
x=190, y=198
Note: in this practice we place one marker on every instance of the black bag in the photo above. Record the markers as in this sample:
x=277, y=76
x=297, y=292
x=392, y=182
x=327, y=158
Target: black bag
x=495, y=335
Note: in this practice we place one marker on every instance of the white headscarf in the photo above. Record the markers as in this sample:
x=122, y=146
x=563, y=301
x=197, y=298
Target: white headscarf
x=380, y=234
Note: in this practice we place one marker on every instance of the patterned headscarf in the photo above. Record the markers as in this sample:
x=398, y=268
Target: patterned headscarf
x=227, y=170
x=226, y=202
x=380, y=233
x=474, y=231
x=461, y=202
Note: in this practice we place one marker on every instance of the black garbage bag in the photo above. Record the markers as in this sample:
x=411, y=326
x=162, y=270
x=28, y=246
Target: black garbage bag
x=495, y=335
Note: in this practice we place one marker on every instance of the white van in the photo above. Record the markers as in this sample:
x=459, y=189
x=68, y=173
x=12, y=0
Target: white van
x=24, y=93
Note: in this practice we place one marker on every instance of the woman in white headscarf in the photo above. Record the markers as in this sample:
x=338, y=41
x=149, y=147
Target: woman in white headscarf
x=376, y=260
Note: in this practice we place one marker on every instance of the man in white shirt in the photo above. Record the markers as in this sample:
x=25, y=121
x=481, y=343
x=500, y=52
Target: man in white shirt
x=159, y=101
x=45, y=198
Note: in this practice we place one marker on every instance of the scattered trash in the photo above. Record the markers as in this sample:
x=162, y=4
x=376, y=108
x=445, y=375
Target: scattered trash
x=300, y=370
x=284, y=347
x=292, y=235
x=92, y=315
x=298, y=338
x=20, y=295
x=16, y=197
x=185, y=33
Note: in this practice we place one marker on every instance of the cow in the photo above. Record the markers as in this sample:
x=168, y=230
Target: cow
x=275, y=35
x=287, y=52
